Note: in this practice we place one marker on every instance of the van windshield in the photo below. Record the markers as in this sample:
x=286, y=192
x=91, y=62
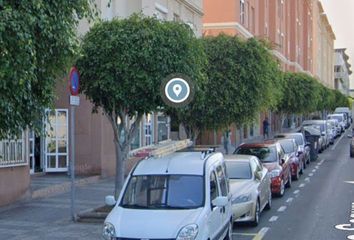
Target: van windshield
x=164, y=192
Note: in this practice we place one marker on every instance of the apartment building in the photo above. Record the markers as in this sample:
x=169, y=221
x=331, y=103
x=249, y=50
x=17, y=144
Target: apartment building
x=95, y=152
x=299, y=32
x=342, y=71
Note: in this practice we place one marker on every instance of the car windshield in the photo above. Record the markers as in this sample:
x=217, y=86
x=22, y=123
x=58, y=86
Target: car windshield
x=338, y=117
x=298, y=139
x=238, y=170
x=317, y=126
x=287, y=145
x=265, y=154
x=164, y=192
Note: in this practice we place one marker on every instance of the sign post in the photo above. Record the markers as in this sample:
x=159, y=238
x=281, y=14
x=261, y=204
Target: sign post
x=74, y=79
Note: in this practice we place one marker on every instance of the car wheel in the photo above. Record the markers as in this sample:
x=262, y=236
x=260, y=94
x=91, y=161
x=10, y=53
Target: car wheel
x=302, y=167
x=288, y=184
x=351, y=154
x=257, y=211
x=282, y=189
x=297, y=176
x=269, y=204
x=229, y=231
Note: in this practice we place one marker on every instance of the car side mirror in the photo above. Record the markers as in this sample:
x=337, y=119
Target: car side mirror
x=110, y=200
x=220, y=201
x=323, y=134
x=258, y=175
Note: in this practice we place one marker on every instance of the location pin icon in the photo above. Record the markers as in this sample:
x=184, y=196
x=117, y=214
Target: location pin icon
x=177, y=89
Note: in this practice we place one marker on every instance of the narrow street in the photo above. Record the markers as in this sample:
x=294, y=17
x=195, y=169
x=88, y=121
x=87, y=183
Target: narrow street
x=322, y=199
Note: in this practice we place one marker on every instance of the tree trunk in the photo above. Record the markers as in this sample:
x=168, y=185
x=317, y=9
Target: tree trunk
x=121, y=158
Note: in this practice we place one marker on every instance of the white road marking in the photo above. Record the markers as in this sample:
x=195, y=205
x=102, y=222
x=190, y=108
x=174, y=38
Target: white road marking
x=302, y=185
x=317, y=167
x=296, y=191
x=351, y=237
x=289, y=200
x=282, y=209
x=310, y=174
x=273, y=219
x=335, y=145
x=344, y=227
x=352, y=182
x=307, y=179
x=261, y=234
x=314, y=170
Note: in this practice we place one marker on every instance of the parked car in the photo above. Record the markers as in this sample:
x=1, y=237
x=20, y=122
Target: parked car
x=303, y=147
x=331, y=132
x=322, y=126
x=272, y=156
x=351, y=147
x=346, y=112
x=291, y=151
x=250, y=186
x=179, y=196
x=337, y=130
x=341, y=119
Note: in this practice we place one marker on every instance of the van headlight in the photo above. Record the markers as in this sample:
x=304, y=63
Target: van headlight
x=188, y=232
x=275, y=173
x=108, y=232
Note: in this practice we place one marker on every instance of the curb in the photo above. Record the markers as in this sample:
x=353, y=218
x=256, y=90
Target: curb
x=62, y=188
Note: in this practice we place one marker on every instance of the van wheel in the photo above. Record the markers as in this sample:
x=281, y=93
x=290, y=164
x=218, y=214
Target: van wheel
x=229, y=231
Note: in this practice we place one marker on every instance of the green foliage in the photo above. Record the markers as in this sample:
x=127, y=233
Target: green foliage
x=243, y=79
x=37, y=42
x=301, y=94
x=340, y=100
x=122, y=65
x=327, y=98
x=124, y=61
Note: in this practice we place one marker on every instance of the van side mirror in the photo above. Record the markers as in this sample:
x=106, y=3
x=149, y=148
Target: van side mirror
x=258, y=175
x=220, y=201
x=110, y=200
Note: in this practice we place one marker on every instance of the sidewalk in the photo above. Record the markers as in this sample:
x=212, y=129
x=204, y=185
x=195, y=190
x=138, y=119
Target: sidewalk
x=49, y=217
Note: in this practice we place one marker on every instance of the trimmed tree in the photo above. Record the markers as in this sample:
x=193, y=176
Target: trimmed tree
x=301, y=94
x=242, y=79
x=37, y=43
x=122, y=66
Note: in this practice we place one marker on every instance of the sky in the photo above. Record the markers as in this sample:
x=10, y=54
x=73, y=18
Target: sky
x=340, y=15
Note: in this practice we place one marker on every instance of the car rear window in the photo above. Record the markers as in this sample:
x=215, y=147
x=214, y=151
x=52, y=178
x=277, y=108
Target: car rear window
x=265, y=154
x=238, y=170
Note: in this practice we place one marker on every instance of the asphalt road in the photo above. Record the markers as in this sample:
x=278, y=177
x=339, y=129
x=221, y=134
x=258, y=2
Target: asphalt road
x=320, y=206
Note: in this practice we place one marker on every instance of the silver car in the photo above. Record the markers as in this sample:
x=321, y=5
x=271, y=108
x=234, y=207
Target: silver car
x=250, y=186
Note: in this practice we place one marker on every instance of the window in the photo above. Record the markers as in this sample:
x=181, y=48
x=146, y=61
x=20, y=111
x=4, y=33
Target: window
x=242, y=12
x=164, y=192
x=214, y=191
x=12, y=152
x=222, y=180
x=176, y=18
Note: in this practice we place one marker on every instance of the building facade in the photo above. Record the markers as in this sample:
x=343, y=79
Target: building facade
x=299, y=32
x=342, y=71
x=95, y=154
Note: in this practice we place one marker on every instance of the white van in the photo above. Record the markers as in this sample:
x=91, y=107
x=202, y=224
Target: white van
x=347, y=112
x=184, y=195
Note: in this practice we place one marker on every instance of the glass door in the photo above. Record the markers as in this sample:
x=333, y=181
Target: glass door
x=56, y=141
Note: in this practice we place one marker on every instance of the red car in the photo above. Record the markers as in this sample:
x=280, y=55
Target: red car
x=297, y=160
x=272, y=156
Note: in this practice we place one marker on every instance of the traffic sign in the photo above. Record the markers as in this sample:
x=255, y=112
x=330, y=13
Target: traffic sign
x=74, y=81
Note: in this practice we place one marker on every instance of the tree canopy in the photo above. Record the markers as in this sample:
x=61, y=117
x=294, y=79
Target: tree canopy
x=243, y=78
x=122, y=65
x=37, y=43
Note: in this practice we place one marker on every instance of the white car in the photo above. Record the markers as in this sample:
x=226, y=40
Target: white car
x=250, y=186
x=184, y=195
x=340, y=118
